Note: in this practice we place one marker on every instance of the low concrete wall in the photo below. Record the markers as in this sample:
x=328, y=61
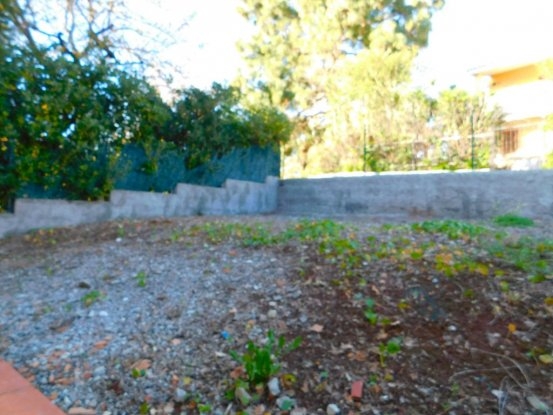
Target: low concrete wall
x=235, y=197
x=473, y=195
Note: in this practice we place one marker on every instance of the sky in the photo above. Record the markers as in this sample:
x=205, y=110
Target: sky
x=466, y=34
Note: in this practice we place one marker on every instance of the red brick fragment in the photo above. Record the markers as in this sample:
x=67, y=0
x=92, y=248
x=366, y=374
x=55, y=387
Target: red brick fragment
x=357, y=389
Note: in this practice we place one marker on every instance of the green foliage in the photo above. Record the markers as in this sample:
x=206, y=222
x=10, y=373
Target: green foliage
x=137, y=373
x=314, y=230
x=141, y=279
x=247, y=235
x=458, y=115
x=65, y=123
x=68, y=110
x=533, y=256
x=211, y=123
x=91, y=297
x=144, y=408
x=512, y=220
x=370, y=314
x=390, y=348
x=451, y=228
x=338, y=67
x=261, y=362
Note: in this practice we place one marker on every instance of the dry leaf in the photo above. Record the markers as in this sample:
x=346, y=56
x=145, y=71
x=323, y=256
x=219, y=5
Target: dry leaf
x=381, y=335
x=358, y=356
x=101, y=344
x=317, y=328
x=142, y=364
x=259, y=410
x=237, y=373
x=546, y=359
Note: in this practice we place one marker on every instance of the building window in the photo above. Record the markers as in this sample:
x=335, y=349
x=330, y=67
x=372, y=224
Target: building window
x=507, y=141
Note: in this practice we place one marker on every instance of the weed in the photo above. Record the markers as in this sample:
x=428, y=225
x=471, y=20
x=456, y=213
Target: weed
x=91, y=297
x=261, y=362
x=248, y=235
x=144, y=408
x=370, y=314
x=175, y=236
x=141, y=278
x=526, y=254
x=137, y=373
x=451, y=228
x=47, y=309
x=513, y=221
x=204, y=408
x=313, y=231
x=120, y=230
x=391, y=347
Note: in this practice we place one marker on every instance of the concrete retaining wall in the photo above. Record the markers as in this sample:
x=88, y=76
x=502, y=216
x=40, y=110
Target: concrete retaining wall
x=473, y=195
x=235, y=197
x=477, y=195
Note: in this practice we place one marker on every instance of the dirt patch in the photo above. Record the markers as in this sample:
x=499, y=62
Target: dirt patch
x=439, y=317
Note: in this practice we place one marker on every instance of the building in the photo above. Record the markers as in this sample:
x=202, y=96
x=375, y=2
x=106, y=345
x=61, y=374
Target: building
x=525, y=94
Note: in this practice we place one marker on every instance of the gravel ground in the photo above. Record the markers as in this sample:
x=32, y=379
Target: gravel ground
x=170, y=325
x=139, y=317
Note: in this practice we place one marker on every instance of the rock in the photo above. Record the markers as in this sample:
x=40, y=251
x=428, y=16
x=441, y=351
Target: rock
x=274, y=387
x=272, y=314
x=299, y=411
x=99, y=372
x=538, y=405
x=243, y=396
x=333, y=409
x=180, y=395
x=77, y=410
x=285, y=403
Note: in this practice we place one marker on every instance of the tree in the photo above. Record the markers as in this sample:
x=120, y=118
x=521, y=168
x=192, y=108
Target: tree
x=66, y=111
x=301, y=50
x=212, y=123
x=459, y=115
x=87, y=31
x=63, y=125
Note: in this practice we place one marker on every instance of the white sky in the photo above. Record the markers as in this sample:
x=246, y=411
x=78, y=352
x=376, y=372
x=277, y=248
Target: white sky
x=466, y=34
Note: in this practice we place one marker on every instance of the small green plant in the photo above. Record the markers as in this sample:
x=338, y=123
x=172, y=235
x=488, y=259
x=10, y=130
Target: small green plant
x=261, y=362
x=204, y=408
x=513, y=221
x=91, y=297
x=370, y=314
x=144, y=408
x=314, y=230
x=141, y=278
x=137, y=373
x=390, y=348
x=451, y=228
x=120, y=230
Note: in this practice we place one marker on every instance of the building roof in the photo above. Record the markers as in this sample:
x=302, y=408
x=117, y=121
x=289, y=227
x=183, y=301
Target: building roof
x=510, y=64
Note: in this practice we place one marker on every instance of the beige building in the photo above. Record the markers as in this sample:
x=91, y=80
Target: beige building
x=526, y=97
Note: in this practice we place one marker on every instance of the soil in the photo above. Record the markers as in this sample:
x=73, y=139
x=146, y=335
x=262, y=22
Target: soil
x=133, y=317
